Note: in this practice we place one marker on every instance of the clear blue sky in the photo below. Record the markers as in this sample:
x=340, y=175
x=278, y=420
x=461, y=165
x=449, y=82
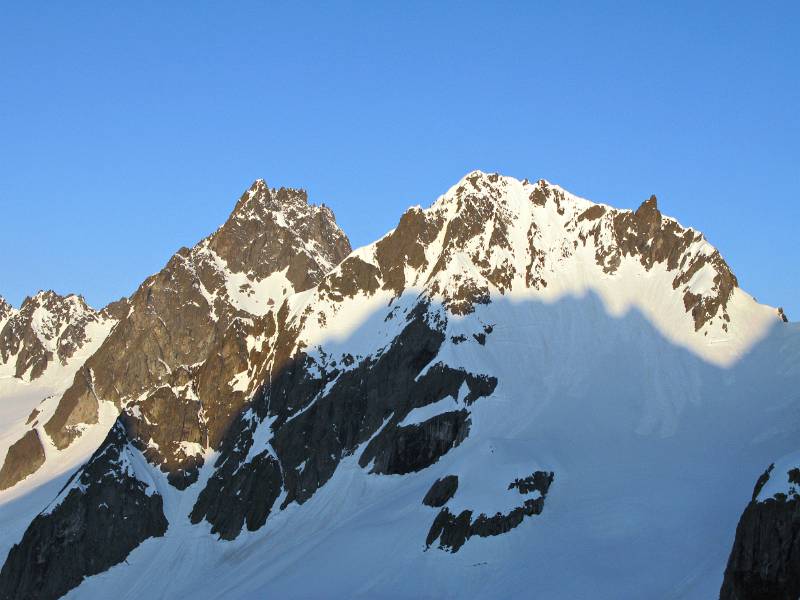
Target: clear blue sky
x=127, y=131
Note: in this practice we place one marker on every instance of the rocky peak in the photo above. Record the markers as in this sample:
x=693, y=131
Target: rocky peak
x=648, y=207
x=271, y=230
x=116, y=310
x=184, y=352
x=648, y=216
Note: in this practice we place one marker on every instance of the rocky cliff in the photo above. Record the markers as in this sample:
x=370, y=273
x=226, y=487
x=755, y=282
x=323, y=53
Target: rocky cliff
x=764, y=563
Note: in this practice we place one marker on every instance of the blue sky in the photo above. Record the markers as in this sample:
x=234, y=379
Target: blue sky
x=127, y=131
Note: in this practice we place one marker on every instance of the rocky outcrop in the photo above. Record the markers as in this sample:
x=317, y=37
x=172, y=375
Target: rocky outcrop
x=6, y=310
x=441, y=491
x=108, y=508
x=764, y=563
x=537, y=482
x=408, y=449
x=23, y=458
x=452, y=531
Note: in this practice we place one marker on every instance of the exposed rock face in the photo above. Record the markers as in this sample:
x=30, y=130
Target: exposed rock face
x=441, y=491
x=765, y=560
x=453, y=531
x=6, y=310
x=47, y=327
x=23, y=458
x=104, y=512
x=540, y=481
x=416, y=447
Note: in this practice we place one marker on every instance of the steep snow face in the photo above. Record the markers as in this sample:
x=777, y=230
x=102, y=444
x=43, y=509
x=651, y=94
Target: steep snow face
x=593, y=378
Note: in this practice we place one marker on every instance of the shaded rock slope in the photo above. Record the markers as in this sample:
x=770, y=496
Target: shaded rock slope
x=509, y=347
x=765, y=560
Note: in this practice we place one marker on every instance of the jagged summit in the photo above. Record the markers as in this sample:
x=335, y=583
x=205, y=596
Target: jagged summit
x=291, y=203
x=648, y=206
x=271, y=230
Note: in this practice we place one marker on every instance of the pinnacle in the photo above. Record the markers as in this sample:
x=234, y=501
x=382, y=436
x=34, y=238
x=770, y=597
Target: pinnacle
x=648, y=207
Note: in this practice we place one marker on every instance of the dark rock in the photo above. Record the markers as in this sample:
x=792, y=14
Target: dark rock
x=453, y=531
x=161, y=429
x=32, y=417
x=592, y=213
x=23, y=458
x=441, y=491
x=239, y=496
x=416, y=447
x=538, y=482
x=762, y=481
x=354, y=276
x=117, y=310
x=405, y=246
x=764, y=563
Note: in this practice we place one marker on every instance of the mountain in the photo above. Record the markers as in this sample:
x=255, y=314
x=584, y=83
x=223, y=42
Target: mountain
x=42, y=344
x=514, y=391
x=47, y=327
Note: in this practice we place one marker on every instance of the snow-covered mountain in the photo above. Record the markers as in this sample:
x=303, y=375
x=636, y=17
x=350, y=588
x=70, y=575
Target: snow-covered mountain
x=42, y=345
x=516, y=391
